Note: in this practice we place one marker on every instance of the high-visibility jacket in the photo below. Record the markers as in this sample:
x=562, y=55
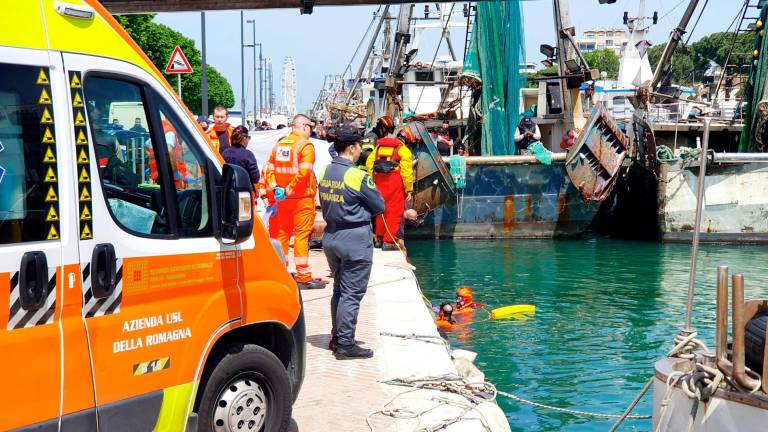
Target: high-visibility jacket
x=290, y=165
x=393, y=149
x=214, y=137
x=175, y=153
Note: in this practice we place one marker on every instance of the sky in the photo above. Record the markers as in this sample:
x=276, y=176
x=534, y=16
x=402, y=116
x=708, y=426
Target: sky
x=323, y=42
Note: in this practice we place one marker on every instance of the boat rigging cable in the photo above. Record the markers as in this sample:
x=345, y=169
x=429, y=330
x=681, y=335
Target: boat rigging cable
x=743, y=13
x=690, y=34
x=360, y=44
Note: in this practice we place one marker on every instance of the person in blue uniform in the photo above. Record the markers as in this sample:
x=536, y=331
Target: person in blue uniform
x=349, y=200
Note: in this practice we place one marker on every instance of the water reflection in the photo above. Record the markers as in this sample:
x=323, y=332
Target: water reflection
x=605, y=311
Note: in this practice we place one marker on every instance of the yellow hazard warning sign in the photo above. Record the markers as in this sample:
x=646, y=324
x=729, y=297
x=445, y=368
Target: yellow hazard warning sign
x=52, y=233
x=82, y=158
x=84, y=177
x=86, y=233
x=49, y=157
x=85, y=214
x=46, y=118
x=50, y=176
x=48, y=136
x=51, y=195
x=84, y=194
x=79, y=119
x=81, y=139
x=75, y=82
x=77, y=101
x=45, y=99
x=52, y=215
x=42, y=79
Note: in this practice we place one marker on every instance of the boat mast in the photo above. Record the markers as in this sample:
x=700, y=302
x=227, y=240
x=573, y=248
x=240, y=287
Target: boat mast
x=402, y=39
x=368, y=52
x=674, y=40
x=565, y=51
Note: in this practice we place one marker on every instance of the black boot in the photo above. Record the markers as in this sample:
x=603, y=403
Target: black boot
x=333, y=343
x=352, y=352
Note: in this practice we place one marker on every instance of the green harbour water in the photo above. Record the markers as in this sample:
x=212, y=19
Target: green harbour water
x=606, y=310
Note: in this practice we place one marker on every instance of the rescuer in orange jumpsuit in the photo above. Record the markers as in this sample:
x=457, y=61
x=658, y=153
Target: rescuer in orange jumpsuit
x=391, y=166
x=465, y=302
x=289, y=175
x=444, y=319
x=176, y=154
x=220, y=133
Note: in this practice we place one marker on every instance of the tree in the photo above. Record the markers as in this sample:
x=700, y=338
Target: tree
x=533, y=79
x=605, y=60
x=158, y=42
x=691, y=63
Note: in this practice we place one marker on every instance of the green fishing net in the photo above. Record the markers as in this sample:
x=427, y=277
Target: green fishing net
x=754, y=134
x=494, y=56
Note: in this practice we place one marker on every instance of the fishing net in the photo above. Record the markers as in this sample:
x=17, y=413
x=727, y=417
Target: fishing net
x=494, y=56
x=754, y=136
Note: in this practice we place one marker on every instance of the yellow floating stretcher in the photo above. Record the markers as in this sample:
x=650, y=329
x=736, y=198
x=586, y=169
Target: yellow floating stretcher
x=510, y=311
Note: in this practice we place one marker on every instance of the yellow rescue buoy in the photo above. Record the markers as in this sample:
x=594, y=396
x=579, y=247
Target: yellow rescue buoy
x=509, y=311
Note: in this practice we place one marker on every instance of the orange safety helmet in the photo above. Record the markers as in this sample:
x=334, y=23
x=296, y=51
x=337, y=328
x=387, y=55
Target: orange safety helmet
x=406, y=134
x=464, y=297
x=386, y=123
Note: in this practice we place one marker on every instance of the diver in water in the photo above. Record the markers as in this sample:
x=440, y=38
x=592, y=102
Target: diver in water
x=464, y=301
x=444, y=318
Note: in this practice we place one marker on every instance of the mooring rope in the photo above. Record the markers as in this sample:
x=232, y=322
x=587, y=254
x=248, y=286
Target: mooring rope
x=571, y=411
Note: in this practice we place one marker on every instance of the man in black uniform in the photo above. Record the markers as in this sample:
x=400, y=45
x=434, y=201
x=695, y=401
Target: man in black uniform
x=349, y=200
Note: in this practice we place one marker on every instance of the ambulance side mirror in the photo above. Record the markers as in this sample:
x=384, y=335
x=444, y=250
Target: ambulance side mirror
x=236, y=205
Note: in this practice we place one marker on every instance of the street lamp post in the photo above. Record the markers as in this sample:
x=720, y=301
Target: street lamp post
x=242, y=67
x=254, y=45
x=203, y=68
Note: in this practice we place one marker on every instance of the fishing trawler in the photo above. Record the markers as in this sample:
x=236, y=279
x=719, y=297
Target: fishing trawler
x=694, y=388
x=655, y=197
x=503, y=194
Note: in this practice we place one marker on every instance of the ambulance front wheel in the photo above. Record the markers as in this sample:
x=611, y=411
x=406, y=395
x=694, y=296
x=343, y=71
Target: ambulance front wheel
x=248, y=390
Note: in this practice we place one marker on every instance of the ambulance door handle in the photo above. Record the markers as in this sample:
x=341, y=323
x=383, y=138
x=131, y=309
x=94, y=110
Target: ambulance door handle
x=103, y=270
x=33, y=280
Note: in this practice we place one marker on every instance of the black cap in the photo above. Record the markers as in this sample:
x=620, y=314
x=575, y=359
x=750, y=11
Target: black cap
x=347, y=134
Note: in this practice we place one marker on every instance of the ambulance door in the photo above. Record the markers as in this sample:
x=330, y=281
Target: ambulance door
x=36, y=242
x=158, y=286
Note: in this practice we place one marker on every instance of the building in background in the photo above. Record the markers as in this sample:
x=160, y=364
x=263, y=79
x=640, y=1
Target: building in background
x=610, y=38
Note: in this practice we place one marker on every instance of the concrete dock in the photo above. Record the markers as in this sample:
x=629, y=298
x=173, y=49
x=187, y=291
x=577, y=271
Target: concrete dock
x=378, y=394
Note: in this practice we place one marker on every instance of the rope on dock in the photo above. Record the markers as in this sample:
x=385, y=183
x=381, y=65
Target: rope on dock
x=475, y=394
x=434, y=339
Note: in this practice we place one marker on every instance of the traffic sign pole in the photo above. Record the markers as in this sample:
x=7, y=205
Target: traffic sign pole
x=178, y=64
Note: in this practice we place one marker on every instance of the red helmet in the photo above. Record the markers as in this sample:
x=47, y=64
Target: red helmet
x=406, y=134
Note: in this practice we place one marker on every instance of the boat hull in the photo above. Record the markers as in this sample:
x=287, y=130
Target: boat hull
x=736, y=203
x=510, y=201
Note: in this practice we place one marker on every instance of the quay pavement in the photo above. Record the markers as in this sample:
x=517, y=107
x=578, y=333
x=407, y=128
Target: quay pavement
x=351, y=395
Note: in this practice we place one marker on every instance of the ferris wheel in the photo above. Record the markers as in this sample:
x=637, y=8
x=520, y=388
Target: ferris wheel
x=289, y=86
